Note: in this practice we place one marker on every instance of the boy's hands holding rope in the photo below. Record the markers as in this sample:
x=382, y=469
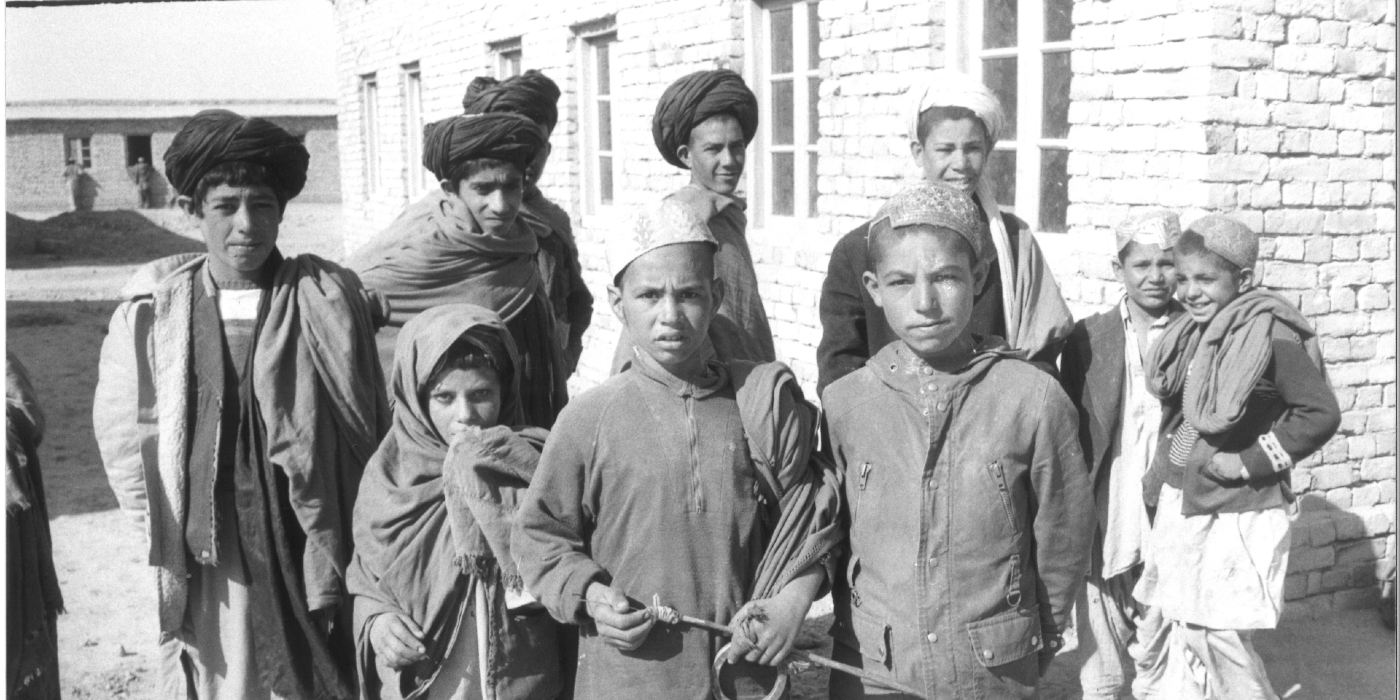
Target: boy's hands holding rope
x=618, y=624
x=765, y=630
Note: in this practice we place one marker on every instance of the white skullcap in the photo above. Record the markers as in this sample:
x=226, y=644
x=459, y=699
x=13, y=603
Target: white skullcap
x=949, y=88
x=667, y=223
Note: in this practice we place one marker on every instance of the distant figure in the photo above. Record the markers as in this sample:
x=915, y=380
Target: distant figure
x=33, y=600
x=73, y=173
x=141, y=174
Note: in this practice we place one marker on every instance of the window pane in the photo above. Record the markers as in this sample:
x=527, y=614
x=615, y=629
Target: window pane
x=813, y=39
x=1055, y=108
x=781, y=23
x=782, y=184
x=999, y=74
x=1057, y=22
x=1054, y=189
x=1001, y=173
x=782, y=112
x=604, y=68
x=998, y=23
x=813, y=117
x=605, y=179
x=811, y=184
x=605, y=125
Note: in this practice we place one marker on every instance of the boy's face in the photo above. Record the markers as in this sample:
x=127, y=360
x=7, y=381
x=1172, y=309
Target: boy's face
x=1148, y=274
x=493, y=195
x=240, y=226
x=464, y=398
x=715, y=154
x=666, y=302
x=1206, y=287
x=925, y=284
x=953, y=153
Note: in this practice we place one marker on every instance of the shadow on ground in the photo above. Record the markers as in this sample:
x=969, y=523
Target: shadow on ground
x=93, y=237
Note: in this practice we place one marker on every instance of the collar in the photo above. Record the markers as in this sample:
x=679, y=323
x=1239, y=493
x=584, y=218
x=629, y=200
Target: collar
x=1158, y=323
x=716, y=374
x=901, y=369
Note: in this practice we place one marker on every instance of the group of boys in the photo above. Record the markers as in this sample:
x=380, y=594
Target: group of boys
x=240, y=395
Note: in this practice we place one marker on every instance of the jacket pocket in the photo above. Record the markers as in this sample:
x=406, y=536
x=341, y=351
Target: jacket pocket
x=1005, y=638
x=872, y=637
x=1008, y=506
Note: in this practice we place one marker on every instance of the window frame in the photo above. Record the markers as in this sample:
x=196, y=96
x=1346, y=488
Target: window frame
x=371, y=153
x=759, y=164
x=510, y=57
x=590, y=152
x=83, y=147
x=966, y=53
x=416, y=180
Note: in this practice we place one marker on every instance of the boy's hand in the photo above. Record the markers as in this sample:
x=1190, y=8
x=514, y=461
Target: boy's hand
x=397, y=640
x=1226, y=467
x=766, y=630
x=609, y=609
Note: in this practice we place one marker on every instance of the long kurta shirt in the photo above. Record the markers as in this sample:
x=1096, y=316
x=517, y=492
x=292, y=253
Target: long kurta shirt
x=646, y=483
x=970, y=521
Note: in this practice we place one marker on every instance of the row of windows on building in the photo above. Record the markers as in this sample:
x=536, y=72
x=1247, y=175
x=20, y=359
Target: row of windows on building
x=1021, y=48
x=79, y=149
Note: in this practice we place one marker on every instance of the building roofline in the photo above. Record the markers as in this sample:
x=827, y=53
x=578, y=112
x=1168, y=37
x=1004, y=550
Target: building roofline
x=164, y=109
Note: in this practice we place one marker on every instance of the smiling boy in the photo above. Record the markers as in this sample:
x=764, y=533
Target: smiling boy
x=968, y=506
x=238, y=398
x=647, y=485
x=703, y=124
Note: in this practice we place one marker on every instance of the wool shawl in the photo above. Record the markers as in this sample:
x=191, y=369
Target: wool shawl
x=1226, y=356
x=432, y=519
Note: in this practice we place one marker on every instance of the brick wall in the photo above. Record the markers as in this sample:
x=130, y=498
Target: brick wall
x=1165, y=101
x=35, y=158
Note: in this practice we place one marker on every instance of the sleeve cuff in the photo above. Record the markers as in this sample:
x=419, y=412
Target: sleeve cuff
x=1266, y=456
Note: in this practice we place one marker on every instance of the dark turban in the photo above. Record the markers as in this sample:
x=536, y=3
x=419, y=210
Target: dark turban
x=217, y=136
x=449, y=143
x=531, y=93
x=695, y=98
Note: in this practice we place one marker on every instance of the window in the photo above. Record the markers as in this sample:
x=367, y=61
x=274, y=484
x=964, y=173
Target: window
x=509, y=56
x=78, y=148
x=138, y=146
x=786, y=39
x=597, y=119
x=369, y=130
x=1021, y=50
x=415, y=175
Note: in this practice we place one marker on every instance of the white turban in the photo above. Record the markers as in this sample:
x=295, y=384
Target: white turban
x=949, y=88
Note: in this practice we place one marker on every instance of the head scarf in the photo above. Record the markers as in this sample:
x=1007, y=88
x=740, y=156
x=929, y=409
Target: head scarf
x=512, y=138
x=1159, y=227
x=1229, y=239
x=695, y=98
x=422, y=345
x=217, y=136
x=950, y=88
x=932, y=204
x=531, y=94
x=668, y=223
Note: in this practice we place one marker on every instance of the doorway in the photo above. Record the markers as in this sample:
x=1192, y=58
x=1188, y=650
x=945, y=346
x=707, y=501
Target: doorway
x=138, y=146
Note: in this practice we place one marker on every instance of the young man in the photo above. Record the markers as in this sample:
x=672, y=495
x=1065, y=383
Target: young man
x=704, y=123
x=238, y=398
x=954, y=121
x=968, y=506
x=1245, y=397
x=534, y=95
x=668, y=480
x=471, y=246
x=1102, y=371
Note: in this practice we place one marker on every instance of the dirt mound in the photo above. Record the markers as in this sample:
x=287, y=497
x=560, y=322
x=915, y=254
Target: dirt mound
x=90, y=237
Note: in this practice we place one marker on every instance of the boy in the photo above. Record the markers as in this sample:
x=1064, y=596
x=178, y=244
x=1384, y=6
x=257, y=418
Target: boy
x=470, y=246
x=1245, y=397
x=703, y=123
x=648, y=485
x=968, y=506
x=1102, y=371
x=238, y=398
x=534, y=95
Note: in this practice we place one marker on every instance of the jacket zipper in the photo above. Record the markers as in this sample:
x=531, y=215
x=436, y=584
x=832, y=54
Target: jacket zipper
x=696, y=488
x=1004, y=493
x=1013, y=583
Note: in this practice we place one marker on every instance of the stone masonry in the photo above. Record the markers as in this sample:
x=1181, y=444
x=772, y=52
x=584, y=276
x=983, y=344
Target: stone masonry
x=1280, y=110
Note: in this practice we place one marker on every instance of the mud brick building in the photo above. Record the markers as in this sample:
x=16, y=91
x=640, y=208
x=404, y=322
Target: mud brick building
x=81, y=85
x=1279, y=111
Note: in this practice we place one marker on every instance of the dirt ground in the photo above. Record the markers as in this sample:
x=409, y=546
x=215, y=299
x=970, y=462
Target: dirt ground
x=63, y=279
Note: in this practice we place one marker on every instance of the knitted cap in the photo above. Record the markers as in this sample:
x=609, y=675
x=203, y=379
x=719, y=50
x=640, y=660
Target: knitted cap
x=1159, y=227
x=1228, y=238
x=667, y=223
x=933, y=204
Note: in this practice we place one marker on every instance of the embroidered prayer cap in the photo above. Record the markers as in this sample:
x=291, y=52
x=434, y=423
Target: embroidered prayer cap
x=949, y=88
x=1228, y=238
x=217, y=136
x=695, y=98
x=668, y=223
x=513, y=138
x=935, y=204
x=531, y=93
x=1159, y=227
